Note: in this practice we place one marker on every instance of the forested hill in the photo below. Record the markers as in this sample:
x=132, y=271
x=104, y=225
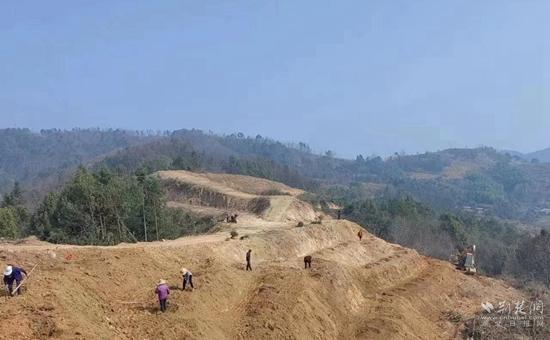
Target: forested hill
x=433, y=202
x=538, y=156
x=481, y=180
x=43, y=159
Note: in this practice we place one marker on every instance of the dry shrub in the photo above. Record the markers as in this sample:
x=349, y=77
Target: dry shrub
x=274, y=192
x=318, y=220
x=452, y=316
x=258, y=205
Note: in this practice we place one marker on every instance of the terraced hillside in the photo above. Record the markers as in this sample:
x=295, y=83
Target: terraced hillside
x=367, y=289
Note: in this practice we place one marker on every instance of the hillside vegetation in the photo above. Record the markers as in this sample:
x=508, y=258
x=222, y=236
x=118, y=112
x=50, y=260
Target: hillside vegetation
x=41, y=161
x=434, y=202
x=456, y=179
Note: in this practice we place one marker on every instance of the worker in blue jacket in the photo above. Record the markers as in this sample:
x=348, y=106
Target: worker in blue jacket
x=13, y=274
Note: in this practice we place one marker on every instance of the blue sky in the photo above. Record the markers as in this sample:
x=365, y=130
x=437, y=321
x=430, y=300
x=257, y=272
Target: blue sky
x=369, y=77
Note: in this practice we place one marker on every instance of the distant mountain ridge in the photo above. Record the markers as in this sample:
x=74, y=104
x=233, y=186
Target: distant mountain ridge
x=44, y=158
x=540, y=155
x=482, y=179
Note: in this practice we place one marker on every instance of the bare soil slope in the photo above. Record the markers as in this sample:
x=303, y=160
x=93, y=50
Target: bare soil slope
x=366, y=290
x=245, y=195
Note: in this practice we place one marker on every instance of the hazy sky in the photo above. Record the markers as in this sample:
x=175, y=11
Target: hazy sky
x=352, y=76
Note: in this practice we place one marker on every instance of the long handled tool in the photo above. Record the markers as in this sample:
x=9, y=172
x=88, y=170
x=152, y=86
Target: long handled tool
x=26, y=278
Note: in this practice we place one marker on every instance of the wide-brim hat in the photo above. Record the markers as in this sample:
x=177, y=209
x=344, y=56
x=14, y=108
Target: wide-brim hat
x=161, y=282
x=184, y=270
x=8, y=270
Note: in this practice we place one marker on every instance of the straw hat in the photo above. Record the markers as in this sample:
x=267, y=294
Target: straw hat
x=8, y=271
x=183, y=270
x=161, y=282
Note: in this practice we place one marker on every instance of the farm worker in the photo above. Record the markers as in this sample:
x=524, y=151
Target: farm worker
x=11, y=274
x=248, y=266
x=307, y=261
x=360, y=234
x=187, y=278
x=162, y=291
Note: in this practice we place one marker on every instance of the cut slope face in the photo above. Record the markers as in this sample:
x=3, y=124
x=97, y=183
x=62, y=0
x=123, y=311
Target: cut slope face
x=230, y=194
x=367, y=289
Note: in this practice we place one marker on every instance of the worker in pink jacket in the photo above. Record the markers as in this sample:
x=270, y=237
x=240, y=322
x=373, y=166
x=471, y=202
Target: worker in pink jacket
x=162, y=291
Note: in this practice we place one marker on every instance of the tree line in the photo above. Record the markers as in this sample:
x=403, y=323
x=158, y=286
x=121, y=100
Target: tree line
x=13, y=214
x=100, y=208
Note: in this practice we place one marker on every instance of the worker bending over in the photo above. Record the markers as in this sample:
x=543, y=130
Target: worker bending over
x=13, y=274
x=187, y=278
x=307, y=261
x=162, y=292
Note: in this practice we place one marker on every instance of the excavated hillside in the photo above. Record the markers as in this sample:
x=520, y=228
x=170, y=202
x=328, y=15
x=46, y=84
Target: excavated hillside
x=367, y=289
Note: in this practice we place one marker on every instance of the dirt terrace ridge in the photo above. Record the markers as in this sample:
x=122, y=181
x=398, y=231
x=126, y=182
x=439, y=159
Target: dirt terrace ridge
x=365, y=290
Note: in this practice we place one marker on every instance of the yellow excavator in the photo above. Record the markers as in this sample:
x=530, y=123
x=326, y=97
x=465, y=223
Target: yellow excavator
x=465, y=260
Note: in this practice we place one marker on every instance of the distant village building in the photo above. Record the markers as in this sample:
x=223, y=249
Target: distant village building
x=474, y=210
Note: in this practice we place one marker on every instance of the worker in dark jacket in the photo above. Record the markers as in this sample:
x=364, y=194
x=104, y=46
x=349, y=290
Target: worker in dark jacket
x=248, y=266
x=307, y=261
x=13, y=274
